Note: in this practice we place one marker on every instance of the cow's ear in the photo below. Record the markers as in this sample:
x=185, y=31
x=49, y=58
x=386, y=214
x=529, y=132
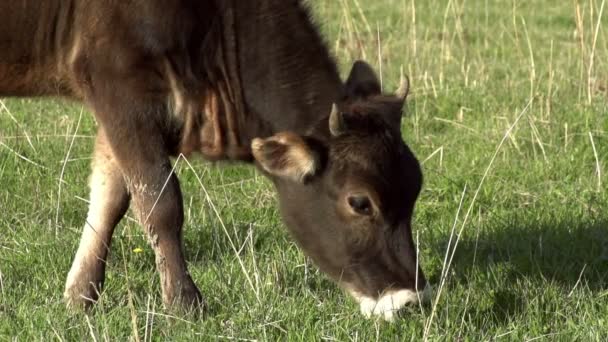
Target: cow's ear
x=287, y=155
x=362, y=81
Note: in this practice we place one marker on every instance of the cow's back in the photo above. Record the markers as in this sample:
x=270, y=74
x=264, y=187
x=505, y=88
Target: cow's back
x=40, y=40
x=21, y=23
x=32, y=35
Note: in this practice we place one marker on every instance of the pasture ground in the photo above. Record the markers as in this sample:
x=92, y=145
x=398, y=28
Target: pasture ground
x=523, y=211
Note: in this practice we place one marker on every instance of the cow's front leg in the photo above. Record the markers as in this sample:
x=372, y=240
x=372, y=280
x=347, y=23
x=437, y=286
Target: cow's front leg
x=138, y=143
x=128, y=90
x=158, y=203
x=109, y=201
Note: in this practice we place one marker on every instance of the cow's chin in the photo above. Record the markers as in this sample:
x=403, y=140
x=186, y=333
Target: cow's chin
x=388, y=304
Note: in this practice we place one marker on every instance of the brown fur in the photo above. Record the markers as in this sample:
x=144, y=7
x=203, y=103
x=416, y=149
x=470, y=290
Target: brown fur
x=169, y=77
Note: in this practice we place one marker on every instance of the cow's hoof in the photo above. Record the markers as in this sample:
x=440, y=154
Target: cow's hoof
x=187, y=299
x=192, y=300
x=80, y=296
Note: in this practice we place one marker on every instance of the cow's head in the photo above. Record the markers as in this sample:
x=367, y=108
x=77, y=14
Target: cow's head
x=348, y=199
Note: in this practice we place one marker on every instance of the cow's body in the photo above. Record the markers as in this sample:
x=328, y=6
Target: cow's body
x=165, y=77
x=190, y=54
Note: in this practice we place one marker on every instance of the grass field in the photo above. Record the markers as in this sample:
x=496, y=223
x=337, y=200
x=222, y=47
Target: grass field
x=509, y=116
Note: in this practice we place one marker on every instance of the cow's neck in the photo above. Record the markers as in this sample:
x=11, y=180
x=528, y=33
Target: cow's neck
x=268, y=71
x=288, y=78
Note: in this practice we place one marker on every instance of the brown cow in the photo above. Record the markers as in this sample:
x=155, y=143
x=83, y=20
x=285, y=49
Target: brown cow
x=239, y=80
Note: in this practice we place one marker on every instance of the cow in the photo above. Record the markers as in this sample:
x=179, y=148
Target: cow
x=249, y=81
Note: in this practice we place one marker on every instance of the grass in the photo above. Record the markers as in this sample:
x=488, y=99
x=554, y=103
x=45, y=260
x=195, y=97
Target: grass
x=531, y=262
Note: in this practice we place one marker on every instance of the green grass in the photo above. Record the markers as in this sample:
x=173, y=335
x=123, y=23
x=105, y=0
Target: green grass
x=532, y=258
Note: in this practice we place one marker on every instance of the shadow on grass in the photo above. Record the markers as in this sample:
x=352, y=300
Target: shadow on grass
x=563, y=253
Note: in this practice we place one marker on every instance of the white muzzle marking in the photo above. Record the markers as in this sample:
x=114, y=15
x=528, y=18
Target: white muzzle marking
x=391, y=302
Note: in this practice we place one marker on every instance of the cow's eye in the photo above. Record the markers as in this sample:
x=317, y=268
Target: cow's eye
x=360, y=204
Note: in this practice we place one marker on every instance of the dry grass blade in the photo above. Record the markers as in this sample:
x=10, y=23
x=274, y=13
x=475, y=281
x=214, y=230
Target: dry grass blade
x=592, y=55
x=20, y=156
x=438, y=150
x=531, y=55
x=466, y=217
x=379, y=55
x=25, y=133
x=65, y=163
x=153, y=313
x=162, y=190
x=363, y=17
x=578, y=281
x=217, y=214
x=2, y=287
x=149, y=321
x=208, y=198
x=444, y=270
x=91, y=331
x=598, y=168
x=130, y=303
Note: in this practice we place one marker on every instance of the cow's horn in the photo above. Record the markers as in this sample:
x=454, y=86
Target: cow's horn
x=336, y=121
x=404, y=86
